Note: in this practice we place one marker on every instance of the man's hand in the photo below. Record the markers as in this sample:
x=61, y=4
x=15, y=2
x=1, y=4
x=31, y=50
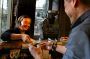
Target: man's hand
x=61, y=49
x=36, y=52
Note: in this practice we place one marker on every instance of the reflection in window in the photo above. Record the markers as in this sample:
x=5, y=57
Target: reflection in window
x=41, y=11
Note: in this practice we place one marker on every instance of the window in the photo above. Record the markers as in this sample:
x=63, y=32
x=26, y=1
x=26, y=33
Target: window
x=41, y=11
x=4, y=15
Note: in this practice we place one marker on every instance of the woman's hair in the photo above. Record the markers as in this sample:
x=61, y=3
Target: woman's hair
x=18, y=21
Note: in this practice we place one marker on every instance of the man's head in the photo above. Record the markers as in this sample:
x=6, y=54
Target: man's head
x=74, y=8
x=24, y=22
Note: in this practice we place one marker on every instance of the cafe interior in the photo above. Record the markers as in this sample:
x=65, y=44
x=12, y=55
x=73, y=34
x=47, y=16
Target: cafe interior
x=49, y=23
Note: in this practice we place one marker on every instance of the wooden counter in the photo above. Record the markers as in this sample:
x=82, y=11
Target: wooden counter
x=7, y=48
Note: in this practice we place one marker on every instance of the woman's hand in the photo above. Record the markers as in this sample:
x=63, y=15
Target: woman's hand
x=26, y=38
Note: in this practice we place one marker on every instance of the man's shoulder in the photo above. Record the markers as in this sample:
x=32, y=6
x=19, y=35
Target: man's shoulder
x=84, y=26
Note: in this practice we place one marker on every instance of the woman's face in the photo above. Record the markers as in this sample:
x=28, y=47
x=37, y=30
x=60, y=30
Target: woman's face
x=25, y=23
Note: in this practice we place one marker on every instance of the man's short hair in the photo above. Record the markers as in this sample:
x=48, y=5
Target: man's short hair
x=85, y=2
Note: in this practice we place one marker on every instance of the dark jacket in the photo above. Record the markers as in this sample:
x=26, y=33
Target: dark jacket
x=6, y=35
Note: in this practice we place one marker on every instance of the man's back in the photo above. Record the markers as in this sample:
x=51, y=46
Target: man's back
x=78, y=46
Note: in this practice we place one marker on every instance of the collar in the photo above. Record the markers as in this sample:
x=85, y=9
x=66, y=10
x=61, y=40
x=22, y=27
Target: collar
x=81, y=19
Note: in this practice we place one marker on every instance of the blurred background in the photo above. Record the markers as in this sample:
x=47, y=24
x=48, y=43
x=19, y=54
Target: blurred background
x=48, y=17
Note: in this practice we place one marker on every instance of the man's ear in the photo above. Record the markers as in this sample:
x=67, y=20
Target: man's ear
x=75, y=3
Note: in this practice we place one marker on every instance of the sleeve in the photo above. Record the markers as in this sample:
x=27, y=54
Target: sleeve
x=6, y=35
x=78, y=46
